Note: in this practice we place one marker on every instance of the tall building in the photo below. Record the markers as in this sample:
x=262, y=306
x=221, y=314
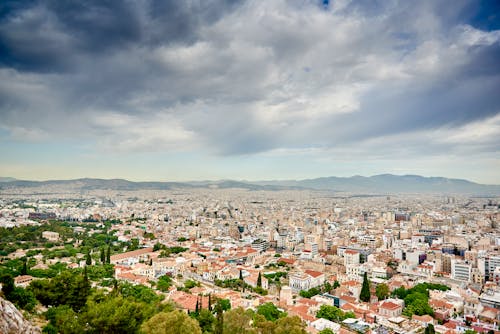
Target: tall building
x=461, y=270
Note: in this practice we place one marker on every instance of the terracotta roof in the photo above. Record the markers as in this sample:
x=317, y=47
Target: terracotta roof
x=131, y=254
x=422, y=318
x=289, y=261
x=389, y=306
x=313, y=273
x=188, y=301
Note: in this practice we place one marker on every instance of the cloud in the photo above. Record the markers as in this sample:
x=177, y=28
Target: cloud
x=245, y=77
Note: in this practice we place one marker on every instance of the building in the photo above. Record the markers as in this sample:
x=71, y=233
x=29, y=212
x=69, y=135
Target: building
x=391, y=308
x=50, y=236
x=321, y=324
x=286, y=296
x=133, y=257
x=260, y=245
x=306, y=280
x=461, y=270
x=23, y=281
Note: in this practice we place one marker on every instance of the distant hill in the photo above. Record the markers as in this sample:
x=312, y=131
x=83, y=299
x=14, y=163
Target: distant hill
x=378, y=184
x=388, y=183
x=7, y=179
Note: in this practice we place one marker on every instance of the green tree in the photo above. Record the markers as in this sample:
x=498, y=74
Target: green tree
x=237, y=321
x=103, y=256
x=7, y=284
x=108, y=255
x=23, y=299
x=309, y=293
x=326, y=331
x=164, y=283
x=259, y=281
x=24, y=270
x=382, y=291
x=290, y=325
x=429, y=329
x=219, y=322
x=206, y=320
x=365, y=289
x=336, y=284
x=189, y=284
x=263, y=326
x=67, y=288
x=270, y=311
x=115, y=315
x=225, y=304
x=64, y=320
x=88, y=259
x=333, y=313
x=175, y=322
x=139, y=293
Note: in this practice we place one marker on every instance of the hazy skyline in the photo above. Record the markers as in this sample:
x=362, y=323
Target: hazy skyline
x=193, y=90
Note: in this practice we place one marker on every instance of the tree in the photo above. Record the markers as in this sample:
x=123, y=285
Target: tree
x=262, y=325
x=88, y=259
x=290, y=325
x=67, y=288
x=23, y=299
x=418, y=307
x=382, y=291
x=219, y=323
x=429, y=329
x=336, y=284
x=103, y=256
x=108, y=255
x=24, y=270
x=189, y=284
x=7, y=284
x=309, y=293
x=333, y=313
x=237, y=321
x=164, y=283
x=326, y=331
x=115, y=315
x=270, y=311
x=259, y=281
x=225, y=304
x=175, y=322
x=365, y=289
x=64, y=320
x=206, y=320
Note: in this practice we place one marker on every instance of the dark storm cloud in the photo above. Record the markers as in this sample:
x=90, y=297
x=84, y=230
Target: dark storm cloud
x=243, y=77
x=53, y=35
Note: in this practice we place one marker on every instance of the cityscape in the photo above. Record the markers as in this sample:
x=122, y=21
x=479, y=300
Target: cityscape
x=307, y=253
x=250, y=167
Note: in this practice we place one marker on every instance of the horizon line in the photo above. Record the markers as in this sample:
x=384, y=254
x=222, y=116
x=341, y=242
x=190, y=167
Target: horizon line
x=237, y=180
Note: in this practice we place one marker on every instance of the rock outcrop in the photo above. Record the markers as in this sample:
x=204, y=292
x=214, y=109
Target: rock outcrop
x=13, y=322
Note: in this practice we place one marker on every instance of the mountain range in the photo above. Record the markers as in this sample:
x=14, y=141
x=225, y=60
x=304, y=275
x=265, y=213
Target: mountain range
x=377, y=184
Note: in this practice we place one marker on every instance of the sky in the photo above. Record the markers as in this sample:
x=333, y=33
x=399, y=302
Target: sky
x=249, y=90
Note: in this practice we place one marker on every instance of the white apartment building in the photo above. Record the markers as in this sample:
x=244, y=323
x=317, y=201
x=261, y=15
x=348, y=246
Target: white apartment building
x=306, y=280
x=352, y=264
x=461, y=270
